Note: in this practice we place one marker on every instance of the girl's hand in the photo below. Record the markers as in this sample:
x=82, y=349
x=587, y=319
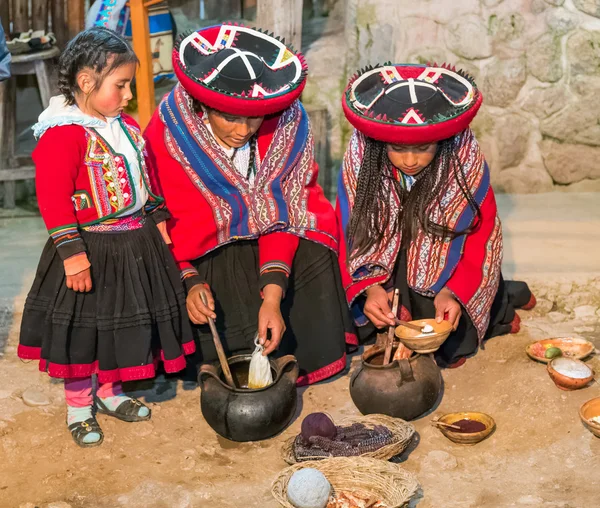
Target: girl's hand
x=377, y=307
x=80, y=282
x=270, y=318
x=197, y=311
x=445, y=302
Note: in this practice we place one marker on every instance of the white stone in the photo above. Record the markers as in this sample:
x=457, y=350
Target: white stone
x=557, y=317
x=33, y=397
x=439, y=459
x=585, y=311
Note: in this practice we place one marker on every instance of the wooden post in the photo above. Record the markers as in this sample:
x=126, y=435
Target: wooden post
x=5, y=16
x=20, y=15
x=59, y=21
x=222, y=10
x=144, y=79
x=75, y=17
x=39, y=15
x=283, y=17
x=319, y=122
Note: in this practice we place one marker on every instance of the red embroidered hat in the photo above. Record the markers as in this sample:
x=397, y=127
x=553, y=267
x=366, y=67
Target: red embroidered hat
x=411, y=104
x=239, y=70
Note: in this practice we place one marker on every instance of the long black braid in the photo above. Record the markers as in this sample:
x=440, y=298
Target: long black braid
x=98, y=49
x=370, y=218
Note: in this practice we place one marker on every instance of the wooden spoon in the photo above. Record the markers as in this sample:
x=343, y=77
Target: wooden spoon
x=390, y=338
x=411, y=326
x=218, y=346
x=447, y=425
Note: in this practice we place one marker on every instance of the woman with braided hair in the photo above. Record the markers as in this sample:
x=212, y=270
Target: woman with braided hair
x=231, y=151
x=417, y=210
x=107, y=299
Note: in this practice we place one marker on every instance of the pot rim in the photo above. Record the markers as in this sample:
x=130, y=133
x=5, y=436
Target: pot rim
x=278, y=365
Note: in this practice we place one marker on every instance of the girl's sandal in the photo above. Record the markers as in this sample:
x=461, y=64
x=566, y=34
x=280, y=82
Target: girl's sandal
x=128, y=410
x=81, y=429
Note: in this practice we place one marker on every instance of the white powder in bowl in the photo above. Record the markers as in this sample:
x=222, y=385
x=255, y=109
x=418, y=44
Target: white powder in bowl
x=571, y=368
x=427, y=329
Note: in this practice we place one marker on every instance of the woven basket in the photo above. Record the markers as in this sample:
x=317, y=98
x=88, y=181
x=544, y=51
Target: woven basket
x=401, y=431
x=386, y=481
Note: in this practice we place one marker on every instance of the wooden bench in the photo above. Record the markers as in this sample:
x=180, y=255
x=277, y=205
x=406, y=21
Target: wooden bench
x=40, y=65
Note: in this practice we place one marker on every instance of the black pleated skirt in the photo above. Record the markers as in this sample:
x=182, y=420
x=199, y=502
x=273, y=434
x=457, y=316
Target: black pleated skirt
x=464, y=341
x=133, y=317
x=314, y=309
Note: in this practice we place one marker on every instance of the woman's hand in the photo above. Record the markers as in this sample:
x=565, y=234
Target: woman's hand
x=445, y=302
x=377, y=307
x=81, y=282
x=270, y=318
x=197, y=311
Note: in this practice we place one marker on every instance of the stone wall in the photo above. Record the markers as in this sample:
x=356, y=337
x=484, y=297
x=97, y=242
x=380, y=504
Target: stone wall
x=536, y=61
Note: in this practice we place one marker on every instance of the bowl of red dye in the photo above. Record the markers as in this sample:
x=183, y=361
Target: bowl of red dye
x=472, y=427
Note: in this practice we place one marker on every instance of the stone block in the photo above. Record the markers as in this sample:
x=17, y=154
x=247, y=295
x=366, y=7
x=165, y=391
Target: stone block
x=512, y=135
x=544, y=102
x=576, y=123
x=561, y=21
x=503, y=80
x=583, y=51
x=468, y=37
x=526, y=179
x=544, y=58
x=568, y=163
x=591, y=7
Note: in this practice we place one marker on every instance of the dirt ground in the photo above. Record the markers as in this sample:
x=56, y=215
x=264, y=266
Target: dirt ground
x=540, y=454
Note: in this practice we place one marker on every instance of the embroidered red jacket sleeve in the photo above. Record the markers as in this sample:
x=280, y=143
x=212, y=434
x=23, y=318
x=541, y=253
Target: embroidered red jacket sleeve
x=478, y=261
x=57, y=158
x=276, y=253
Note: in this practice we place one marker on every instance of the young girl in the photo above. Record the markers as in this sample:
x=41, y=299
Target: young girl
x=417, y=209
x=107, y=298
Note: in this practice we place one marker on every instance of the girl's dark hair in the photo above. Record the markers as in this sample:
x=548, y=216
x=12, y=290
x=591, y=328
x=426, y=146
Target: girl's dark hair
x=370, y=217
x=98, y=49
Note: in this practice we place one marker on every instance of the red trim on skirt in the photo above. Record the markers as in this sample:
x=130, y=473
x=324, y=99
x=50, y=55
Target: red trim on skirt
x=323, y=372
x=105, y=376
x=351, y=339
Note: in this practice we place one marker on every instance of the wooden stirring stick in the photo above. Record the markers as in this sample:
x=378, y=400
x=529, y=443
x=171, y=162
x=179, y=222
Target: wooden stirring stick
x=410, y=325
x=390, y=337
x=219, y=346
x=447, y=425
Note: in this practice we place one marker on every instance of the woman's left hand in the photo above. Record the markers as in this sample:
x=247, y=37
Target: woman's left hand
x=445, y=302
x=270, y=318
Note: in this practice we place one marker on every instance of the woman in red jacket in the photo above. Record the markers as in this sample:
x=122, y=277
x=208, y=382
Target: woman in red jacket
x=417, y=210
x=107, y=299
x=232, y=152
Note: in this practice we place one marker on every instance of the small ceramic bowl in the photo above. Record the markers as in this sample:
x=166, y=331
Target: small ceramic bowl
x=569, y=374
x=571, y=347
x=424, y=343
x=588, y=411
x=468, y=438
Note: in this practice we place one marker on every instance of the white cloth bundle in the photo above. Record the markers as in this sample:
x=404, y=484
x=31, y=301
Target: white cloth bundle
x=260, y=368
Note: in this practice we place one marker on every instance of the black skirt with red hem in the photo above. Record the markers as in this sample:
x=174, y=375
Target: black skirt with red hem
x=318, y=323
x=133, y=318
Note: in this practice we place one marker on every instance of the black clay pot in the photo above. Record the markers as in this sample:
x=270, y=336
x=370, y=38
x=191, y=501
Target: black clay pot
x=403, y=389
x=242, y=414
